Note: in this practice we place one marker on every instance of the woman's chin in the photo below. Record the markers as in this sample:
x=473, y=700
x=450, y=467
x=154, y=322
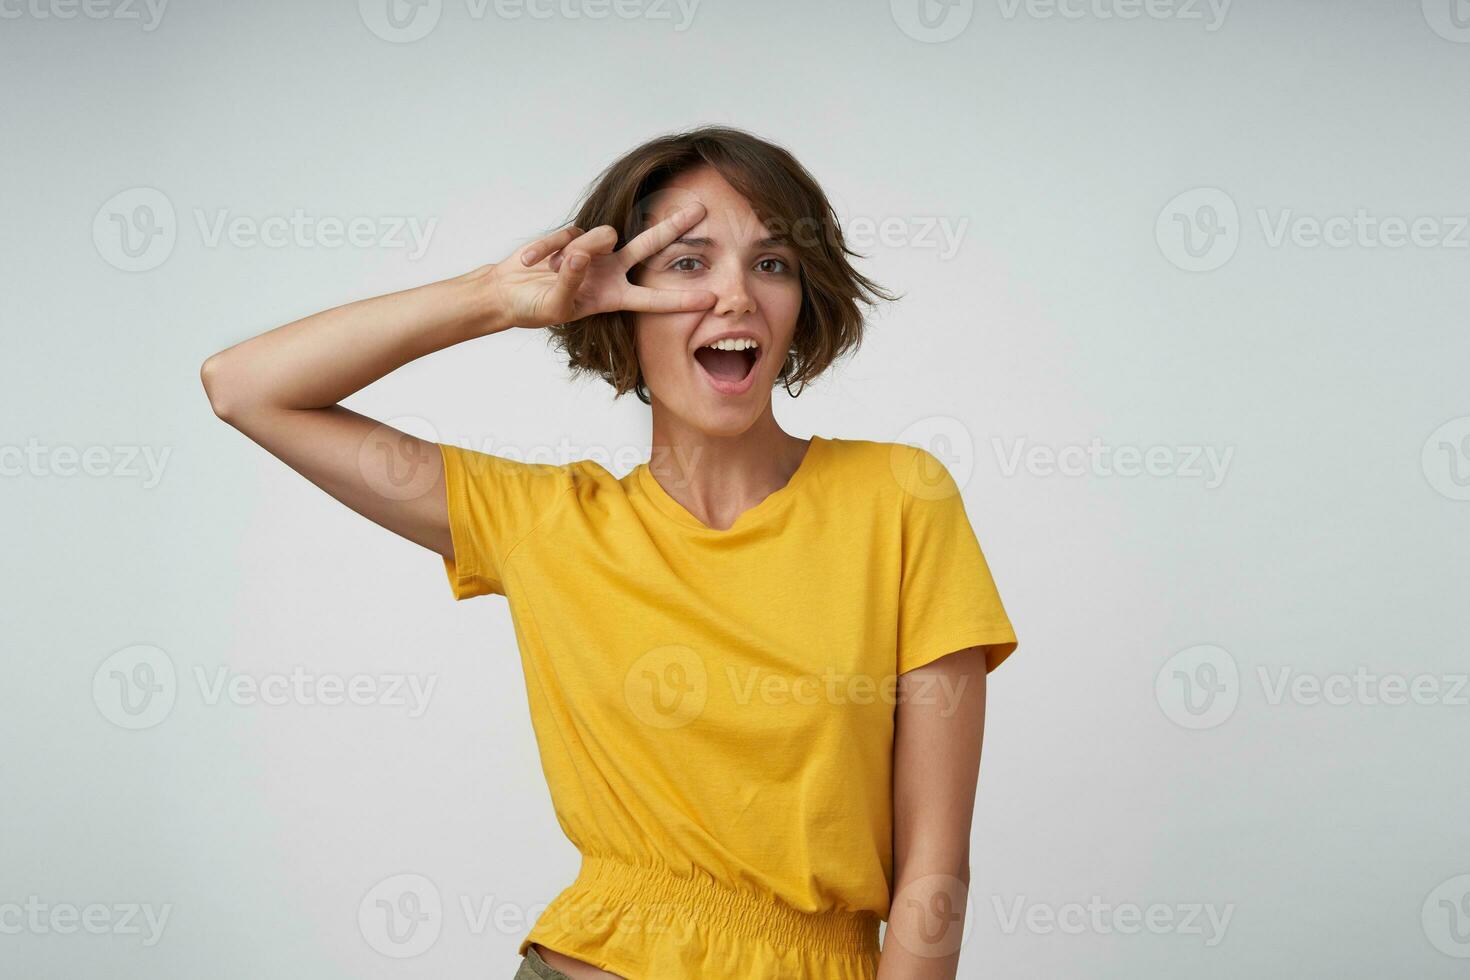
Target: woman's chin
x=722, y=418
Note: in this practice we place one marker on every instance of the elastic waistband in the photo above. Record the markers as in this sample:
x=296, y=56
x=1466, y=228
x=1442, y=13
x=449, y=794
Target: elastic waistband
x=661, y=894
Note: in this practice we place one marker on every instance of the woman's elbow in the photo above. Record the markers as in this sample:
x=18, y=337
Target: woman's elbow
x=219, y=386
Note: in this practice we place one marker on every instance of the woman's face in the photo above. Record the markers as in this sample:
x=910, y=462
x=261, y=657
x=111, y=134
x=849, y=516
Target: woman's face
x=757, y=285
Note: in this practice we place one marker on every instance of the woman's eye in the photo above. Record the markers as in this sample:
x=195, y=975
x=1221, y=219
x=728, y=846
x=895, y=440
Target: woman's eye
x=689, y=263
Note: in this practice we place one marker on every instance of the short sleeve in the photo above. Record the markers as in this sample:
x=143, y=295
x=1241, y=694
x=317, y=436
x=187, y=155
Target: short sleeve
x=947, y=600
x=494, y=503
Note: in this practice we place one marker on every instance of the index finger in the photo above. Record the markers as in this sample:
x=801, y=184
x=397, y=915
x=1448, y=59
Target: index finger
x=658, y=237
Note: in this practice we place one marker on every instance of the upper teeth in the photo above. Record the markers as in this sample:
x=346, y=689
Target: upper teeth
x=734, y=343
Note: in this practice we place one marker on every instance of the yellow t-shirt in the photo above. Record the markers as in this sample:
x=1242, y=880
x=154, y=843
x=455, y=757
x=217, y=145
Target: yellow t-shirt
x=714, y=710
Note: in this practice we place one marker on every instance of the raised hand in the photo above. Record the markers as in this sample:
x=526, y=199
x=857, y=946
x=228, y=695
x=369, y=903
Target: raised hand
x=571, y=274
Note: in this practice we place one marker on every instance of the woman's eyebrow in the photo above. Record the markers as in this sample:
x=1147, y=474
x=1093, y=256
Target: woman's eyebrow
x=771, y=241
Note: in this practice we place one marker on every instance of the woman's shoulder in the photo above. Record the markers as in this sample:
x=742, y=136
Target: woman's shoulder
x=873, y=453
x=924, y=476
x=876, y=464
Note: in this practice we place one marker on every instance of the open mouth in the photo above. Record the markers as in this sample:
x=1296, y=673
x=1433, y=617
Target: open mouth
x=730, y=363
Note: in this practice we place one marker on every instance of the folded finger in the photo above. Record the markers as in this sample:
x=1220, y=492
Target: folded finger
x=569, y=279
x=542, y=247
x=599, y=241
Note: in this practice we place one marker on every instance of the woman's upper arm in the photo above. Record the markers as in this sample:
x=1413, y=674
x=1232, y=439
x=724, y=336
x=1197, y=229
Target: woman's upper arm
x=388, y=476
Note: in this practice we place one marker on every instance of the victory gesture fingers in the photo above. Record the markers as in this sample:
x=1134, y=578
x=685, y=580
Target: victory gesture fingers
x=571, y=274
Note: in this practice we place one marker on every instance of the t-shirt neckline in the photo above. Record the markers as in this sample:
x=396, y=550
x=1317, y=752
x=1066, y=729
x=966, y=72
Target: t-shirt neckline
x=777, y=498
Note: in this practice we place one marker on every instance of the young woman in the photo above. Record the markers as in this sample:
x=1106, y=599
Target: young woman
x=756, y=664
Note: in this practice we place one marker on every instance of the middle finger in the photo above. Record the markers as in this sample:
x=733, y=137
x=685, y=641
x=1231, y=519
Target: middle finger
x=660, y=235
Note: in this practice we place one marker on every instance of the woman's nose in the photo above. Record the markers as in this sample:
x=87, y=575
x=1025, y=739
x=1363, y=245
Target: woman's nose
x=732, y=295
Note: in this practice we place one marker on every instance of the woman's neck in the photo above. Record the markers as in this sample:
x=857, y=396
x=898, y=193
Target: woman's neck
x=718, y=478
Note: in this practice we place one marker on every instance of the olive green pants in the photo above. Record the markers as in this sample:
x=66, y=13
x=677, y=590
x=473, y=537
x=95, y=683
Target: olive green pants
x=533, y=967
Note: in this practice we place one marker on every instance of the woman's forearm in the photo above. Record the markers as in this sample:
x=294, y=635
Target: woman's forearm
x=282, y=388
x=317, y=361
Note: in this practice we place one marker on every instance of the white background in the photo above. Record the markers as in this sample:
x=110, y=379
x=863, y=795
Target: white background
x=1054, y=141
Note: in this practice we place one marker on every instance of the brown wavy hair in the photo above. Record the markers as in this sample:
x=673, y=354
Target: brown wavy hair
x=786, y=199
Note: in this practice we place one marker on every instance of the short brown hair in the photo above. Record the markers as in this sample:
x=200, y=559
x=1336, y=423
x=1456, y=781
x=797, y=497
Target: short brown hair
x=787, y=200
